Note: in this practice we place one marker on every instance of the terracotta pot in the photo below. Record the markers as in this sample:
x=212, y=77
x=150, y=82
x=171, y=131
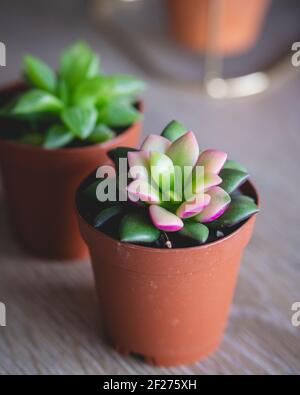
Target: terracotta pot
x=235, y=24
x=169, y=306
x=40, y=187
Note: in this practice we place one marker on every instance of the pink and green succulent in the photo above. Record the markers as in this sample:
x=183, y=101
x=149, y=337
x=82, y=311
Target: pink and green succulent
x=178, y=192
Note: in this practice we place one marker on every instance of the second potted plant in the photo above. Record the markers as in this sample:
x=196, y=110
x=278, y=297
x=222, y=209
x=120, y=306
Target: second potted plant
x=166, y=244
x=54, y=129
x=225, y=26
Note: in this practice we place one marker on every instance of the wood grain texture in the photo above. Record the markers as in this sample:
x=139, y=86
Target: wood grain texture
x=53, y=325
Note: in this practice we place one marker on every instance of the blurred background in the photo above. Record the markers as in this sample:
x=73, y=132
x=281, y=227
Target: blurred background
x=223, y=68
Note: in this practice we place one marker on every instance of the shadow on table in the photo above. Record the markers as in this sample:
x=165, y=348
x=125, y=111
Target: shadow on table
x=8, y=246
x=49, y=301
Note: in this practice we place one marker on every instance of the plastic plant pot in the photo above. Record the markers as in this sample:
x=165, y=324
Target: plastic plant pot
x=40, y=185
x=224, y=26
x=169, y=306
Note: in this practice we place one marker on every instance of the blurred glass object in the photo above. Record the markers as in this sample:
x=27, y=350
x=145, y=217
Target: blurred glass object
x=247, y=85
x=220, y=28
x=232, y=60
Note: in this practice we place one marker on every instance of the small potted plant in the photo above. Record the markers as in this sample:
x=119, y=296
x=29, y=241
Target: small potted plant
x=225, y=26
x=55, y=128
x=166, y=246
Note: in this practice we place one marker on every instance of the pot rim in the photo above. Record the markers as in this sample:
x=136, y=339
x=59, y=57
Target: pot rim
x=57, y=151
x=135, y=247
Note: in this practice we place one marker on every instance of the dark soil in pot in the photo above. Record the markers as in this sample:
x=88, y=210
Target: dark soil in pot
x=40, y=186
x=168, y=305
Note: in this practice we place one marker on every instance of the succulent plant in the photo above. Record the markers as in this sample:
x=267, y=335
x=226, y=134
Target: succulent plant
x=176, y=192
x=78, y=104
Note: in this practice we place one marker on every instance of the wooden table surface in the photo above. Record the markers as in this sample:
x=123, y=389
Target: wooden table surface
x=53, y=326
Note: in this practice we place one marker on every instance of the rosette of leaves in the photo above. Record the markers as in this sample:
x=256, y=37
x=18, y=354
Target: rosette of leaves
x=77, y=105
x=153, y=213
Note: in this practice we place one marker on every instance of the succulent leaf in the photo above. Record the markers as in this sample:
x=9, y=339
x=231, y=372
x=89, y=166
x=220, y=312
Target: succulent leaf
x=212, y=160
x=57, y=136
x=211, y=180
x=117, y=114
x=232, y=179
x=77, y=63
x=164, y=219
x=91, y=191
x=101, y=133
x=155, y=143
x=106, y=214
x=208, y=181
x=39, y=74
x=122, y=85
x=173, y=131
x=162, y=169
x=104, y=88
x=80, y=120
x=191, y=208
x=202, y=182
x=195, y=231
x=141, y=190
x=240, y=208
x=233, y=164
x=137, y=228
x=218, y=204
x=37, y=101
x=139, y=164
x=184, y=151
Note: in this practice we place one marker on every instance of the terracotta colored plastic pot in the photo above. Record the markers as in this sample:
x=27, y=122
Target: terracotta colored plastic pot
x=169, y=306
x=40, y=187
x=234, y=24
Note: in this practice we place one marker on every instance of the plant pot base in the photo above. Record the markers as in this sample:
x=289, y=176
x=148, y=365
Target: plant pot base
x=170, y=360
x=53, y=255
x=51, y=250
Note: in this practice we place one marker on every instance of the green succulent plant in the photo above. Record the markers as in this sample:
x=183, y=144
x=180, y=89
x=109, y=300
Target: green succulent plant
x=77, y=104
x=157, y=210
